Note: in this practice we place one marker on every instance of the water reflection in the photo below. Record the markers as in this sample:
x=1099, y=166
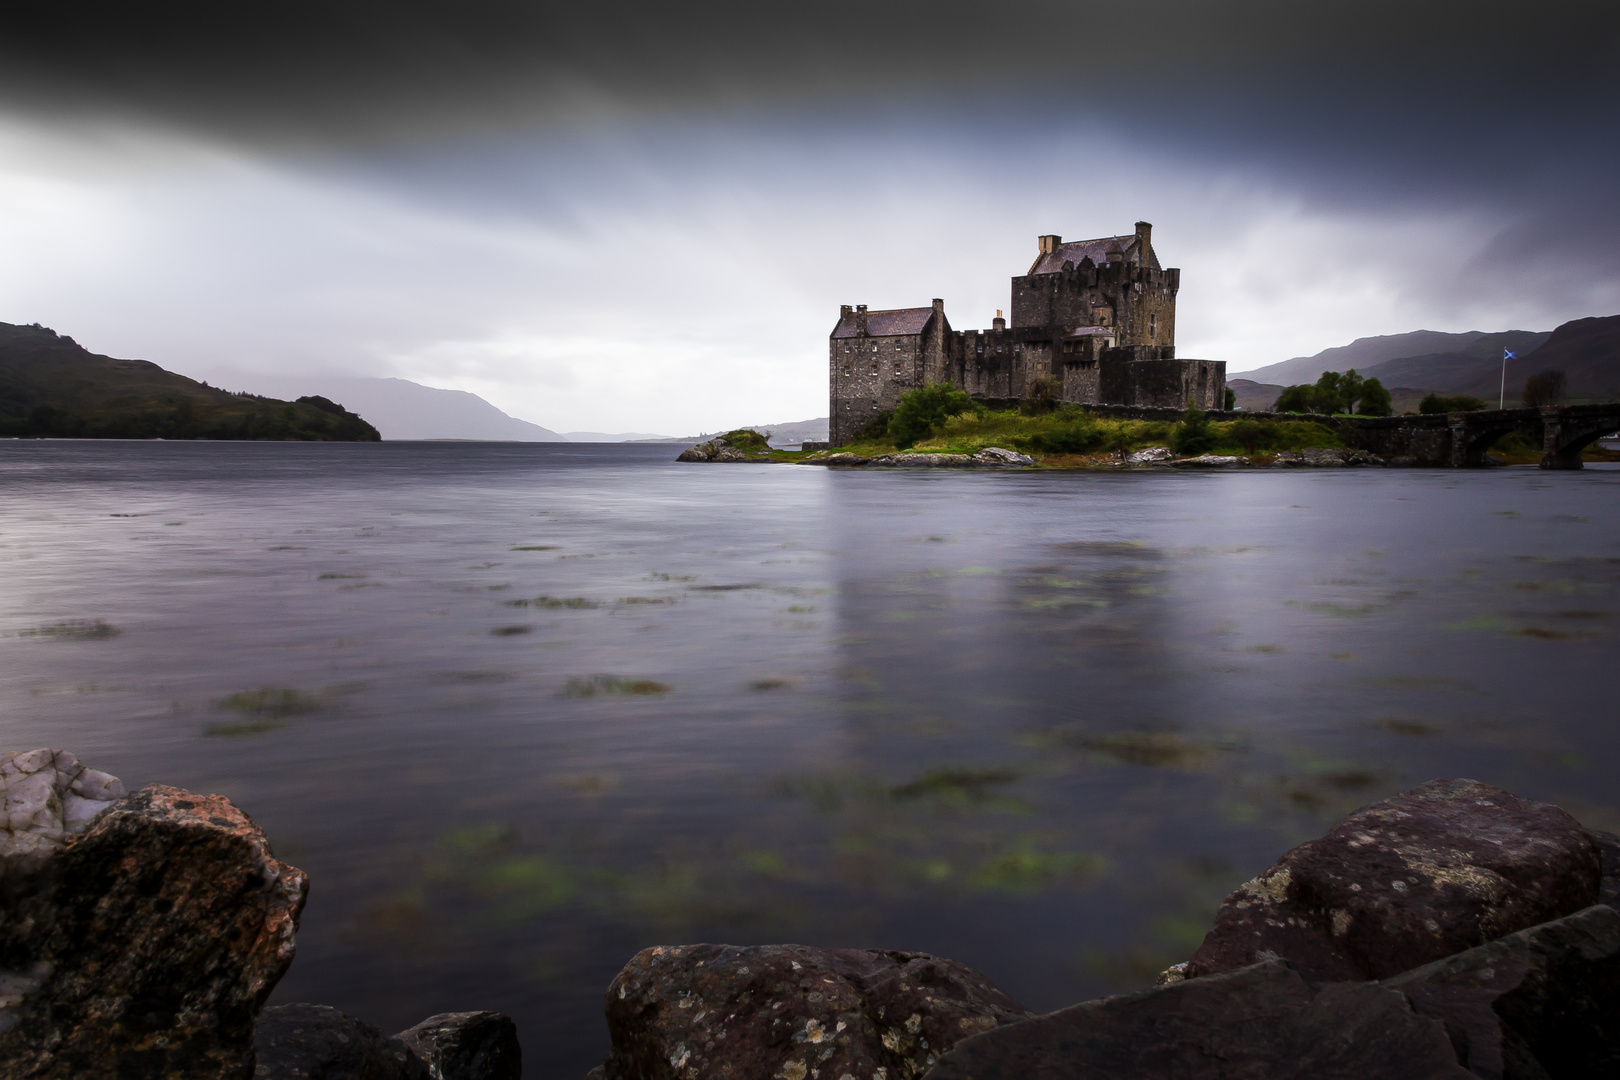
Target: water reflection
x=520, y=711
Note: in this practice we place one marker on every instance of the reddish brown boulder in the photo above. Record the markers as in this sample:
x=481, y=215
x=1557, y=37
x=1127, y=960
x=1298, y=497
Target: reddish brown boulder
x=146, y=946
x=1263, y=1021
x=793, y=1013
x=1441, y=868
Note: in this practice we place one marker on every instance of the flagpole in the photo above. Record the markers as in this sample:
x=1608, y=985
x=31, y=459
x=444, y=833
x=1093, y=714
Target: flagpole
x=1501, y=397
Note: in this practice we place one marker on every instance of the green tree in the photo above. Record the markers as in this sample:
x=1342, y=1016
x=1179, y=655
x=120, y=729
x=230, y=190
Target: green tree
x=1194, y=435
x=1231, y=399
x=919, y=412
x=1374, y=399
x=1299, y=399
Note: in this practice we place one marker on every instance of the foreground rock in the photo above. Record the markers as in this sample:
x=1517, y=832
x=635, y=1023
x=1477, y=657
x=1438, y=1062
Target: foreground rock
x=316, y=1042
x=467, y=1046
x=46, y=796
x=793, y=1012
x=1543, y=1002
x=147, y=945
x=1411, y=879
x=1265, y=1021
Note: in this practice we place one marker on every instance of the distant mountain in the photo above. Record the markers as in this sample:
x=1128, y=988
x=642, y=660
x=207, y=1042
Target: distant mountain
x=621, y=436
x=1253, y=396
x=1586, y=350
x=402, y=409
x=51, y=386
x=1448, y=372
x=1364, y=353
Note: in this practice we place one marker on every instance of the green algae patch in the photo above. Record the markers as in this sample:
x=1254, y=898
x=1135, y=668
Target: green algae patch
x=511, y=631
x=553, y=603
x=593, y=685
x=1027, y=871
x=265, y=709
x=71, y=630
x=537, y=547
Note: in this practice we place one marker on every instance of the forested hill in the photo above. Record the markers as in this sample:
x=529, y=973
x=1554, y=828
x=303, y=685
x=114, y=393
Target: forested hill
x=50, y=386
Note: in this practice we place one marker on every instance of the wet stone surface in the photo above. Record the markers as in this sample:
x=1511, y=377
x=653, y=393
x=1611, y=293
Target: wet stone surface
x=793, y=1013
x=1541, y=1002
x=1429, y=872
x=147, y=945
x=1263, y=1021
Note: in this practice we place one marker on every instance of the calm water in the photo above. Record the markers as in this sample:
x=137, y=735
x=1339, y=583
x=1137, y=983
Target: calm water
x=522, y=710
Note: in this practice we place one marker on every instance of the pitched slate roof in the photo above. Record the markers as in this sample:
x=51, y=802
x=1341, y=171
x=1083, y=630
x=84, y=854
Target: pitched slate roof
x=1096, y=250
x=897, y=321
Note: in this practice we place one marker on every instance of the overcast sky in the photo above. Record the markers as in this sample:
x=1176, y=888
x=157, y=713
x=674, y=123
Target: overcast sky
x=642, y=216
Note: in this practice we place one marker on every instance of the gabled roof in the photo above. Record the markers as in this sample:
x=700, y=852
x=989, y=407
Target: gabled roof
x=1096, y=250
x=892, y=323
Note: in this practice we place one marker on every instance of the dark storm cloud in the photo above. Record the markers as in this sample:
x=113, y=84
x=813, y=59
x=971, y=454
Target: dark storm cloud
x=372, y=69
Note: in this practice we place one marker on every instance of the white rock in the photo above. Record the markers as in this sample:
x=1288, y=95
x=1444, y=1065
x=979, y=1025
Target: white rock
x=1150, y=456
x=45, y=796
x=995, y=455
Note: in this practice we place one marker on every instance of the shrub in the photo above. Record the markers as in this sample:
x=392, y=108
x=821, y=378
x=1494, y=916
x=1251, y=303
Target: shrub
x=1439, y=403
x=746, y=439
x=1194, y=435
x=875, y=429
x=922, y=410
x=1231, y=399
x=1070, y=435
x=1249, y=434
x=1544, y=388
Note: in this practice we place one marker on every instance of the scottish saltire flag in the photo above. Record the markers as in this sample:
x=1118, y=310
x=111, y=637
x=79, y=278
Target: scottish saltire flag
x=1506, y=355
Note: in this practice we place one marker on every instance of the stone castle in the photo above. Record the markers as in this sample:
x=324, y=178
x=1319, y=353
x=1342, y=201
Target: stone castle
x=1093, y=322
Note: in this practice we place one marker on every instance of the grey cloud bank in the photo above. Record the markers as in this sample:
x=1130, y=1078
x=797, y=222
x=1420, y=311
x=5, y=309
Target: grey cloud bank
x=622, y=219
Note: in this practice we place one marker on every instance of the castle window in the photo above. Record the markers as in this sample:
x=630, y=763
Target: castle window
x=1153, y=324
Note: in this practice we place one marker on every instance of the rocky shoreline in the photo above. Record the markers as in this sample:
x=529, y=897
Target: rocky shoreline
x=1452, y=931
x=721, y=449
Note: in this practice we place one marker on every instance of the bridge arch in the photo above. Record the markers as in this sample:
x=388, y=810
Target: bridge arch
x=1567, y=432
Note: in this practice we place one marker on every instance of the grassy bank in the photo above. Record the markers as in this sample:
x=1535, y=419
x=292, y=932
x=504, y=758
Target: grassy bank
x=1072, y=436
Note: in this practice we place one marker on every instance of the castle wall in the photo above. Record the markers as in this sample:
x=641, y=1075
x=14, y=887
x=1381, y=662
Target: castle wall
x=1138, y=301
x=868, y=375
x=1160, y=382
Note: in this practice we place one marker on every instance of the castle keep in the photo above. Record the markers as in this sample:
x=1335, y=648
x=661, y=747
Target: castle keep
x=1093, y=322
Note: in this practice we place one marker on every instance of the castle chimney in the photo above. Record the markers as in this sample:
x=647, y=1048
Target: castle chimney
x=860, y=320
x=1144, y=243
x=939, y=306
x=844, y=311
x=999, y=323
x=1050, y=244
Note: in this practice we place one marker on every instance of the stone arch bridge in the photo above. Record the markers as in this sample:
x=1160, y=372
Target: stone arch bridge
x=1460, y=439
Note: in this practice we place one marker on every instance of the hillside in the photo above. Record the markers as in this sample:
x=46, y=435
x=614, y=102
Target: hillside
x=50, y=386
x=401, y=409
x=1362, y=354
x=1586, y=350
x=1448, y=372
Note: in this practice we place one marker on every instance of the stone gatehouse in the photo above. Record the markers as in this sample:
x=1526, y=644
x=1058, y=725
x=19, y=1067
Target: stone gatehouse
x=1093, y=322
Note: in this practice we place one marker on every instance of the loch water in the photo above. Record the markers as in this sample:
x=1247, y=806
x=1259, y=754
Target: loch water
x=521, y=710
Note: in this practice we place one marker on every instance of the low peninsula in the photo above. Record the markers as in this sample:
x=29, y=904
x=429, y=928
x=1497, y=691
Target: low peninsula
x=53, y=387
